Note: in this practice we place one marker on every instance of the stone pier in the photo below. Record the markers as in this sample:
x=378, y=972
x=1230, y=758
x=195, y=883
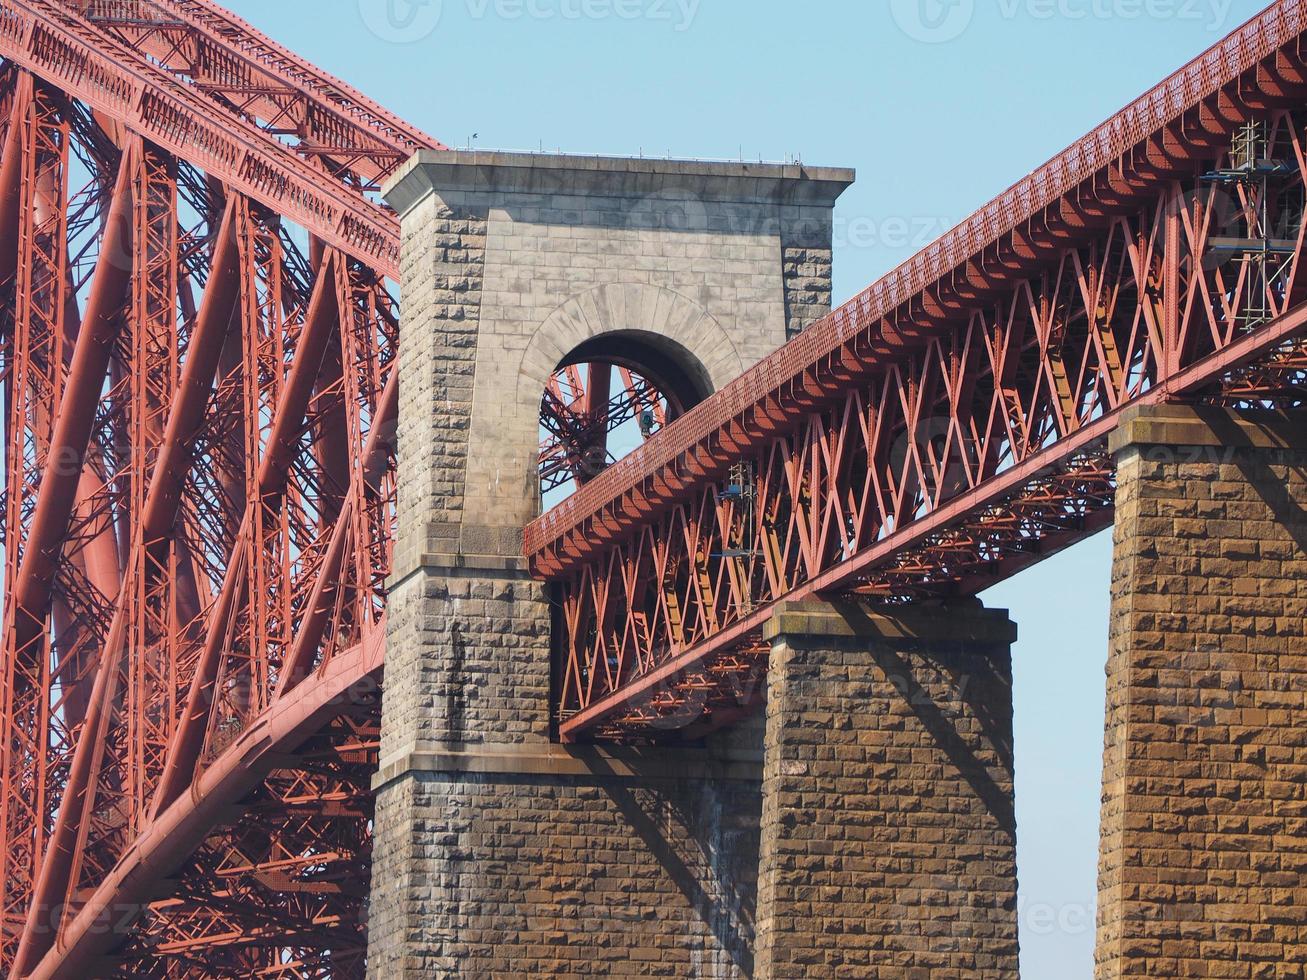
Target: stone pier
x=1203, y=869
x=888, y=846
x=499, y=853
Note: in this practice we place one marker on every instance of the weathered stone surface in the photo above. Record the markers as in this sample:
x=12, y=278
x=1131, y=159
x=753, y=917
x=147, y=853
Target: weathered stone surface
x=496, y=853
x=443, y=260
x=540, y=876
x=888, y=830
x=516, y=260
x=807, y=261
x=1203, y=867
x=467, y=661
x=497, y=857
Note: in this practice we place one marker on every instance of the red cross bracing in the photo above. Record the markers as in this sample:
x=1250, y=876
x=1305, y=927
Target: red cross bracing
x=199, y=332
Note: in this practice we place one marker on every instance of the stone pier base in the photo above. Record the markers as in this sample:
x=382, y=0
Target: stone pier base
x=1203, y=869
x=497, y=852
x=500, y=854
x=888, y=833
x=555, y=864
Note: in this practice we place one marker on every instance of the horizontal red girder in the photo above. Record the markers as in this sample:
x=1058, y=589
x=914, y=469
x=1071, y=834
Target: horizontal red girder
x=222, y=52
x=958, y=510
x=282, y=604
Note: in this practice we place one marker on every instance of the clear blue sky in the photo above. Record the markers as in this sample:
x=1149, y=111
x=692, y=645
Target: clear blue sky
x=939, y=104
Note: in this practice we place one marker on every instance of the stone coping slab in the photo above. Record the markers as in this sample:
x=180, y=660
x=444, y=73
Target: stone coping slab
x=481, y=171
x=1205, y=426
x=572, y=762
x=931, y=621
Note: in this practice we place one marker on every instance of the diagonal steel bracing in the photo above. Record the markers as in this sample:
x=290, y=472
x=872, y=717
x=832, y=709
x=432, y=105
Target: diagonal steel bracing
x=948, y=427
x=200, y=407
x=197, y=353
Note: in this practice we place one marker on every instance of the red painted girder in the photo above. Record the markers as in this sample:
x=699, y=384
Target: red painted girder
x=11, y=175
x=76, y=415
x=375, y=454
x=352, y=540
x=83, y=61
x=176, y=832
x=938, y=472
x=40, y=349
x=840, y=577
x=322, y=322
x=333, y=116
x=212, y=327
x=1119, y=145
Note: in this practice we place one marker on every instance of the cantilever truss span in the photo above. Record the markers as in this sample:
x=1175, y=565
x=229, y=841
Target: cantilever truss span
x=199, y=391
x=948, y=426
x=197, y=366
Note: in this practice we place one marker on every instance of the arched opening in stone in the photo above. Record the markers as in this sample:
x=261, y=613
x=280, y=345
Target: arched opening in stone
x=607, y=398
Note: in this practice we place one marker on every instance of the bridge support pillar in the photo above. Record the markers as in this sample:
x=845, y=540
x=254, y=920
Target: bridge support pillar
x=888, y=830
x=499, y=853
x=1204, y=817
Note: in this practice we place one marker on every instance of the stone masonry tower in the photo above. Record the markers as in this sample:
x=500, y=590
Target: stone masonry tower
x=499, y=852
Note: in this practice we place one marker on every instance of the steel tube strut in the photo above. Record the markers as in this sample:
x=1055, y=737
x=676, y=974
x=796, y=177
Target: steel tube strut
x=941, y=431
x=211, y=329
x=165, y=111
x=180, y=828
x=322, y=323
x=213, y=325
x=11, y=176
x=76, y=414
x=206, y=419
x=318, y=615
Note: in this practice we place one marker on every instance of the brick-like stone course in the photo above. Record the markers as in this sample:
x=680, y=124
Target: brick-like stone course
x=1203, y=867
x=720, y=264
x=443, y=261
x=540, y=877
x=495, y=855
x=467, y=661
x=888, y=828
x=807, y=261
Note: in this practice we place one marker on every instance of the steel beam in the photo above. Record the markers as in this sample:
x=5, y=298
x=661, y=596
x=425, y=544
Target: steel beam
x=86, y=63
x=933, y=471
x=184, y=825
x=210, y=332
x=76, y=413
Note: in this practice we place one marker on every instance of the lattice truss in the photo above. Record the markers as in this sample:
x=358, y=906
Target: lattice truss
x=197, y=353
x=939, y=433
x=581, y=412
x=197, y=368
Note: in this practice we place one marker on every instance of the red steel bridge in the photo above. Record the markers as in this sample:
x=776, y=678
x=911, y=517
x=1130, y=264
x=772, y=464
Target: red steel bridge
x=198, y=340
